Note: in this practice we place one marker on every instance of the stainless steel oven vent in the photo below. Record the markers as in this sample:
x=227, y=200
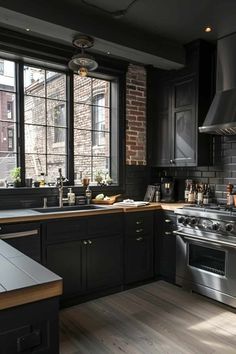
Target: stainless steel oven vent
x=221, y=117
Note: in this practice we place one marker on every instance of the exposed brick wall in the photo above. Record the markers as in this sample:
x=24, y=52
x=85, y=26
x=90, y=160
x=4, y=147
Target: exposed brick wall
x=136, y=115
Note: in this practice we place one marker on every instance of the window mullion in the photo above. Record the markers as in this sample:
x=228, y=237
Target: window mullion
x=20, y=119
x=70, y=127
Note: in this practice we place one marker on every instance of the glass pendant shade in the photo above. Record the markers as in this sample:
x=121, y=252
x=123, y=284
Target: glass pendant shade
x=83, y=62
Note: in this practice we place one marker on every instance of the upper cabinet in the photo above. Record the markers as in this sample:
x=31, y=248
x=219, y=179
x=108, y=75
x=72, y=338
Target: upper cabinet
x=177, y=106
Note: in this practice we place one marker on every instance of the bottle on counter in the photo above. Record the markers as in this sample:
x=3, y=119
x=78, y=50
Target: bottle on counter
x=229, y=194
x=200, y=194
x=191, y=196
x=187, y=190
x=158, y=195
x=71, y=197
x=205, y=200
x=42, y=181
x=88, y=195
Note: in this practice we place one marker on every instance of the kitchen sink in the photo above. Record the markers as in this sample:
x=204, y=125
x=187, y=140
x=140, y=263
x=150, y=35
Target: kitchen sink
x=67, y=208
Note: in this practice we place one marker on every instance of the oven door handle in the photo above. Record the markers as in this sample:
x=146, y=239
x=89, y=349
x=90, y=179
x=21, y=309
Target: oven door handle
x=204, y=240
x=19, y=234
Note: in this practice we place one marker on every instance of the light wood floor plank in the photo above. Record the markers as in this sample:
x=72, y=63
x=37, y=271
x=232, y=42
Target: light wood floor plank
x=157, y=318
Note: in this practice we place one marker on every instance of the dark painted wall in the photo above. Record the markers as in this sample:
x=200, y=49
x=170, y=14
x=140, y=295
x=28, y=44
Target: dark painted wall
x=222, y=172
x=136, y=181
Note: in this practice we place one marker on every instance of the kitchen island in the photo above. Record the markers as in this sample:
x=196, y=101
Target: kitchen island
x=29, y=296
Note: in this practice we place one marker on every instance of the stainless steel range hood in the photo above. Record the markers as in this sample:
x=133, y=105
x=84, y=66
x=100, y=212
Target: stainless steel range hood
x=221, y=117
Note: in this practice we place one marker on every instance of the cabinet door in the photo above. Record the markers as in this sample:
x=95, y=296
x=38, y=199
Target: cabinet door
x=104, y=263
x=165, y=246
x=161, y=130
x=184, y=123
x=138, y=259
x=65, y=259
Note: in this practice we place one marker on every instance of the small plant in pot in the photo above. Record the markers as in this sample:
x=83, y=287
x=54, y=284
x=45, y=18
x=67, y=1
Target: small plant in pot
x=16, y=176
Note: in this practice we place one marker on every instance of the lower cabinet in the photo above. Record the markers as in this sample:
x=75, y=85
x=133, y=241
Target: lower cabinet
x=65, y=259
x=138, y=246
x=87, y=261
x=165, y=246
x=30, y=328
x=104, y=262
x=138, y=259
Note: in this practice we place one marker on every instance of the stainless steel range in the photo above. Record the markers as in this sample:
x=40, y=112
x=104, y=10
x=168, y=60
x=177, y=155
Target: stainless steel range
x=206, y=251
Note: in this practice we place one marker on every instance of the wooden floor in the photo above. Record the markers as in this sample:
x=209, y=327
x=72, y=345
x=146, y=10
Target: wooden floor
x=154, y=318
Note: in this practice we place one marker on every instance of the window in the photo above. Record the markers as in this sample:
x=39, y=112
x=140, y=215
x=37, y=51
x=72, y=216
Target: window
x=98, y=118
x=8, y=154
x=59, y=119
x=92, y=122
x=1, y=67
x=39, y=137
x=10, y=110
x=45, y=122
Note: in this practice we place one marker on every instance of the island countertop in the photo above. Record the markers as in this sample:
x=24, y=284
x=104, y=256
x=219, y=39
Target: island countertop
x=22, y=280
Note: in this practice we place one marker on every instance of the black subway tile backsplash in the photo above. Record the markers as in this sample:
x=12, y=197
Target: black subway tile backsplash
x=222, y=172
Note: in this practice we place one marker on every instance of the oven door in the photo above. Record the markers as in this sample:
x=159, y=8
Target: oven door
x=211, y=264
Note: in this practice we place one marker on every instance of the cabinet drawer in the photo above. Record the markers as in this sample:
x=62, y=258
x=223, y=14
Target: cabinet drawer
x=11, y=228
x=105, y=224
x=139, y=223
x=65, y=230
x=169, y=223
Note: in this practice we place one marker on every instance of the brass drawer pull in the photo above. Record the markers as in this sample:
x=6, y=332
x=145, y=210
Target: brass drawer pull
x=139, y=239
x=168, y=221
x=139, y=230
x=168, y=233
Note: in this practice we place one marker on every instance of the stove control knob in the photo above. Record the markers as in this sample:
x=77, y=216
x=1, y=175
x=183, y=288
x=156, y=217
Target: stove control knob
x=188, y=221
x=193, y=221
x=229, y=227
x=181, y=219
x=215, y=226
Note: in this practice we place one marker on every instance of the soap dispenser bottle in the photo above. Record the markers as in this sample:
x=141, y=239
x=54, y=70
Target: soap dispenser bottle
x=71, y=197
x=88, y=195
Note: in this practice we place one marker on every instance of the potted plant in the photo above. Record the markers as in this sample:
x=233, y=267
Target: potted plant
x=16, y=176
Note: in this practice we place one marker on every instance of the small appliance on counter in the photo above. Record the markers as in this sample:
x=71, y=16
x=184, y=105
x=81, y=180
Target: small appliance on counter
x=167, y=189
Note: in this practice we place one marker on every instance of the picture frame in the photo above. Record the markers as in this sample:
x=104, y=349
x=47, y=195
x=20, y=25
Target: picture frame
x=150, y=193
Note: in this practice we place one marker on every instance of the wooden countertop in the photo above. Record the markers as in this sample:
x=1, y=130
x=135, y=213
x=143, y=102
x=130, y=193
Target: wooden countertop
x=153, y=206
x=22, y=280
x=21, y=215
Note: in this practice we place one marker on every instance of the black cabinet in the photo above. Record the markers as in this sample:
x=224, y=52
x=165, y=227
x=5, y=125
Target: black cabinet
x=87, y=253
x=184, y=123
x=180, y=100
x=104, y=262
x=165, y=245
x=65, y=259
x=30, y=328
x=25, y=237
x=138, y=246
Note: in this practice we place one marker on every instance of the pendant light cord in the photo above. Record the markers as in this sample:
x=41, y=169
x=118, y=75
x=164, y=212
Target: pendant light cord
x=116, y=14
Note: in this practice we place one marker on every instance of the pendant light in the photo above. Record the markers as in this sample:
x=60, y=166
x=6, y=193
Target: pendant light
x=83, y=63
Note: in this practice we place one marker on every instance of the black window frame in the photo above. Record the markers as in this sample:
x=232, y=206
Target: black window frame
x=119, y=91
x=30, y=49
